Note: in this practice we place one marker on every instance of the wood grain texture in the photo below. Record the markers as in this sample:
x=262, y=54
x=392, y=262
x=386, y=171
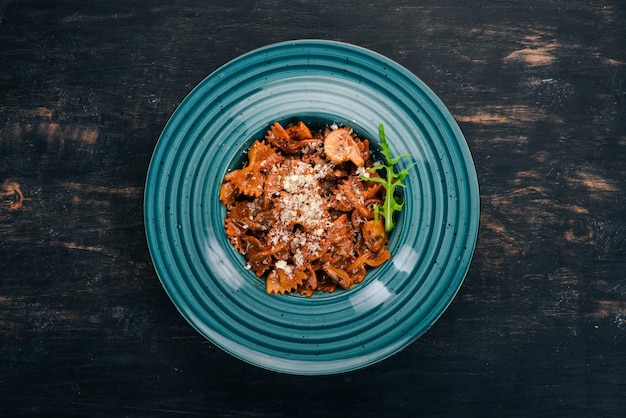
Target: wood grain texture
x=539, y=326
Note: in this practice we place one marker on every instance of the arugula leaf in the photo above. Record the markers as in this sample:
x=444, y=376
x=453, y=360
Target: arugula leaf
x=390, y=180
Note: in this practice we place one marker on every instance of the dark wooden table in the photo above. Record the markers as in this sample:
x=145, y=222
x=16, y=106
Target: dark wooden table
x=539, y=326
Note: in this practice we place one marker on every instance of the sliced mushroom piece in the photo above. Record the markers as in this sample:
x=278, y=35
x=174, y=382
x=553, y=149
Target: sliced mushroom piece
x=340, y=147
x=338, y=276
x=374, y=234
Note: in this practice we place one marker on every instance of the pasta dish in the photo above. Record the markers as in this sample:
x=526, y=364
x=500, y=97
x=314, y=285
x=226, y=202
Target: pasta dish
x=301, y=210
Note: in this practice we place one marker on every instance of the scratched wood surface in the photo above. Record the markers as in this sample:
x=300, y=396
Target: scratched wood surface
x=539, y=326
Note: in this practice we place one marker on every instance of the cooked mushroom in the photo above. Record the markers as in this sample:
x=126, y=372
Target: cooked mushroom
x=340, y=147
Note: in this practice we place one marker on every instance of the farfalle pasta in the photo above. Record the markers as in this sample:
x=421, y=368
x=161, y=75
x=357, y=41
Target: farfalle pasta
x=301, y=209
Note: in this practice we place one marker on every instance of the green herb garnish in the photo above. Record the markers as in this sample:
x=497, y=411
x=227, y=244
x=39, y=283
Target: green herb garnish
x=390, y=181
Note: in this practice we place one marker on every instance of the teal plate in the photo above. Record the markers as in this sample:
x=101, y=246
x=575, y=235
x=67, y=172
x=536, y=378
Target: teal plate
x=208, y=135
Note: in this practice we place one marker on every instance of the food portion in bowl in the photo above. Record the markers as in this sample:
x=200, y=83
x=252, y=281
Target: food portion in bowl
x=306, y=209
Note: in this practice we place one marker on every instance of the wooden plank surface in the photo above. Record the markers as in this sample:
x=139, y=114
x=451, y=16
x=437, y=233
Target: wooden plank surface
x=539, y=326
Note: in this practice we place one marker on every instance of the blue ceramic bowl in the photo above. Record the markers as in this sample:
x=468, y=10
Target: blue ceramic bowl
x=208, y=135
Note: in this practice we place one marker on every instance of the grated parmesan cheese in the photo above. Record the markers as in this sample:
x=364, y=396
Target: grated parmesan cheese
x=282, y=264
x=362, y=171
